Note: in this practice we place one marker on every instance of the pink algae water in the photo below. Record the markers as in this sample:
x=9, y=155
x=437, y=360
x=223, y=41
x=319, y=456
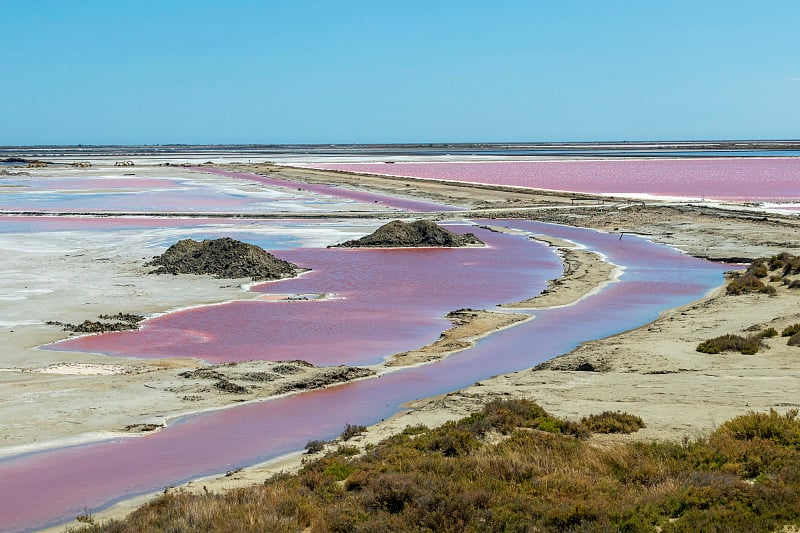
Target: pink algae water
x=384, y=301
x=339, y=192
x=96, y=475
x=732, y=179
x=83, y=194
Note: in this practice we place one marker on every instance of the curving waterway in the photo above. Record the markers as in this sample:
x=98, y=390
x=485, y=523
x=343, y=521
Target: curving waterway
x=54, y=486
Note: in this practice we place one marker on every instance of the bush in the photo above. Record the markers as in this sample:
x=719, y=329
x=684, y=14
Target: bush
x=315, y=446
x=794, y=340
x=790, y=264
x=731, y=343
x=768, y=333
x=790, y=330
x=415, y=430
x=748, y=283
x=613, y=422
x=351, y=431
x=758, y=268
x=783, y=430
x=347, y=451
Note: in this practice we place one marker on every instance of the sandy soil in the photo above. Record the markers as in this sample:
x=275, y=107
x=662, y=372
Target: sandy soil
x=653, y=371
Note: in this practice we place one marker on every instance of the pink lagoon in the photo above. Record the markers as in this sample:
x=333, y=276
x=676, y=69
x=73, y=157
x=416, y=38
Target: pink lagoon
x=755, y=179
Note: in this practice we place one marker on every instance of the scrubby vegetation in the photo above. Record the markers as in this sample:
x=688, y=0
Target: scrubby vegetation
x=613, y=422
x=315, y=446
x=785, y=262
x=776, y=268
x=746, y=283
x=731, y=343
x=788, y=331
x=494, y=471
x=351, y=430
x=768, y=333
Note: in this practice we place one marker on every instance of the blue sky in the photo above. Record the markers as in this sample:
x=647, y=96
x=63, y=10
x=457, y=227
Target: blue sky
x=145, y=72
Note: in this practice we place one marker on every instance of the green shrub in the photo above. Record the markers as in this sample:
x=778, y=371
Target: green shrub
x=315, y=446
x=794, y=340
x=731, y=343
x=748, y=283
x=768, y=333
x=415, y=430
x=351, y=431
x=758, y=268
x=347, y=451
x=790, y=330
x=783, y=430
x=790, y=264
x=338, y=470
x=613, y=422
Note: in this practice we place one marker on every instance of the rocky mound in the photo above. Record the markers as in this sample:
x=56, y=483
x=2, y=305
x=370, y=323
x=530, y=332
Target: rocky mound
x=222, y=258
x=422, y=233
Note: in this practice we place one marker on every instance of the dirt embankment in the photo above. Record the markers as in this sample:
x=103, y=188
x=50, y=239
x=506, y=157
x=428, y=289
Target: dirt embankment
x=420, y=233
x=222, y=258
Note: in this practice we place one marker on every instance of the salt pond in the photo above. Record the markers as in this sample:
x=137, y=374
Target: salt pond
x=759, y=179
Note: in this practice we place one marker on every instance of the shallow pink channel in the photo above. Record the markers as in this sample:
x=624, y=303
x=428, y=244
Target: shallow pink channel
x=339, y=192
x=733, y=179
x=386, y=301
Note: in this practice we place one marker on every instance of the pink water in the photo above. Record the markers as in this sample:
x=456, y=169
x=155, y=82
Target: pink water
x=81, y=183
x=44, y=488
x=733, y=179
x=386, y=301
x=28, y=224
x=339, y=192
x=100, y=195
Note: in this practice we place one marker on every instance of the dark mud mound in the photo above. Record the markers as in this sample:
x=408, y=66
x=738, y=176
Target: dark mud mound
x=422, y=233
x=222, y=258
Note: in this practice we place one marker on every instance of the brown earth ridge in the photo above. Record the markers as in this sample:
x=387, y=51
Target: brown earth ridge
x=222, y=258
x=420, y=233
